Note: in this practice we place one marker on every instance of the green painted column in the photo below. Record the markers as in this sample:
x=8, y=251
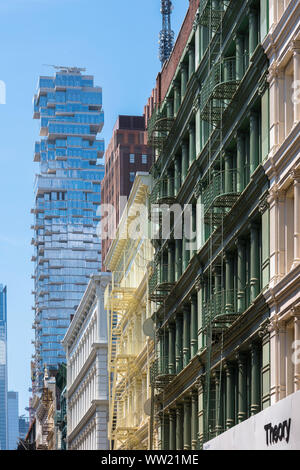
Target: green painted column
x=185, y=160
x=253, y=30
x=184, y=79
x=201, y=412
x=200, y=286
x=228, y=186
x=240, y=160
x=229, y=395
x=177, y=175
x=242, y=387
x=191, y=53
x=170, y=108
x=178, y=259
x=254, y=261
x=194, y=420
x=179, y=343
x=254, y=142
x=192, y=143
x=217, y=278
x=239, y=55
x=194, y=326
x=186, y=253
x=219, y=403
x=179, y=427
x=172, y=360
x=229, y=282
x=171, y=262
x=177, y=98
x=170, y=182
x=186, y=335
x=194, y=229
x=165, y=432
x=204, y=38
x=255, y=378
x=172, y=430
x=241, y=275
x=187, y=441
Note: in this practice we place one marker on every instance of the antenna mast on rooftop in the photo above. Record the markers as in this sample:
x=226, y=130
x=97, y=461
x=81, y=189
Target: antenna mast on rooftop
x=166, y=36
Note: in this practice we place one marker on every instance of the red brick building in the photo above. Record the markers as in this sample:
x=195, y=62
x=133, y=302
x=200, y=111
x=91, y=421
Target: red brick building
x=126, y=154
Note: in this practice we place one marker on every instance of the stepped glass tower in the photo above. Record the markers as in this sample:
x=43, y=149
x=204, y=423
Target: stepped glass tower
x=67, y=192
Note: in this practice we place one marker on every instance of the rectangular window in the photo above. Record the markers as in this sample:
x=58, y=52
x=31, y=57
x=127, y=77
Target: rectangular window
x=132, y=157
x=144, y=159
x=132, y=176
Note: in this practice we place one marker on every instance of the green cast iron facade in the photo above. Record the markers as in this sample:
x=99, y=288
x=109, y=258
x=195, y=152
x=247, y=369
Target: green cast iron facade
x=211, y=137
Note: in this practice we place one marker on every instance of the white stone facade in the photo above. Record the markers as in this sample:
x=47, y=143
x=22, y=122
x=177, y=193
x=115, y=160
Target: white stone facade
x=87, y=377
x=282, y=46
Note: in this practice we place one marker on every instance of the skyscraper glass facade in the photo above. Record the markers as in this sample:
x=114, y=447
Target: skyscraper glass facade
x=13, y=420
x=67, y=197
x=3, y=368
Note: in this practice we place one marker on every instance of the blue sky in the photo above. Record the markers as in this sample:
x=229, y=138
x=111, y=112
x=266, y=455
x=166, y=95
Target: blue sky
x=117, y=41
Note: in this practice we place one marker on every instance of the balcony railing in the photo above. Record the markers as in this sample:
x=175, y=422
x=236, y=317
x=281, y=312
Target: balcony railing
x=209, y=16
x=221, y=193
x=220, y=310
x=160, y=375
x=218, y=90
x=159, y=127
x=159, y=283
x=163, y=192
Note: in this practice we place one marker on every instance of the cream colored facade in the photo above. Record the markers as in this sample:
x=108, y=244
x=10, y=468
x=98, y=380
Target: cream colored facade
x=130, y=350
x=282, y=45
x=86, y=346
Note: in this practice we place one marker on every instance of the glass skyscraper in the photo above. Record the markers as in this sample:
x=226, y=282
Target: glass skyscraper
x=67, y=197
x=12, y=420
x=3, y=368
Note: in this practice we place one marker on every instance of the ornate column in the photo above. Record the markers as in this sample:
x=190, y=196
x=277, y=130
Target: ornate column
x=177, y=174
x=296, y=99
x=265, y=238
x=179, y=343
x=229, y=283
x=192, y=143
x=255, y=379
x=201, y=412
x=240, y=141
x=228, y=172
x=254, y=261
x=172, y=361
x=276, y=201
x=179, y=427
x=277, y=112
x=200, y=287
x=239, y=55
x=194, y=420
x=171, y=262
x=296, y=346
x=177, y=98
x=170, y=108
x=186, y=335
x=170, y=182
x=254, y=142
x=187, y=423
x=296, y=177
x=194, y=326
x=253, y=30
x=241, y=275
x=191, y=53
x=242, y=387
x=178, y=259
x=172, y=429
x=184, y=79
x=219, y=403
x=229, y=395
x=185, y=160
